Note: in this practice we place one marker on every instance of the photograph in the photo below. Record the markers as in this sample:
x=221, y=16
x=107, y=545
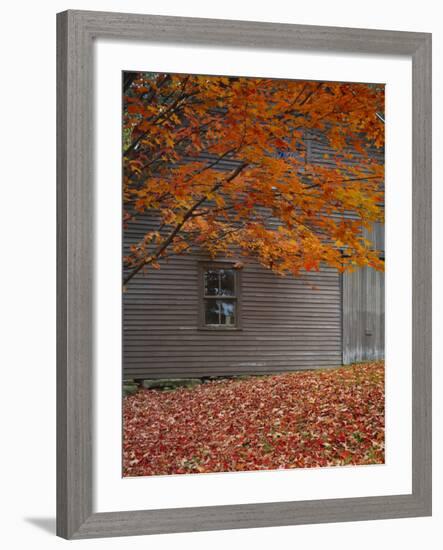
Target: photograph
x=228, y=339
x=253, y=265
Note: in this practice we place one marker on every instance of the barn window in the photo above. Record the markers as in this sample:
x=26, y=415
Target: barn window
x=219, y=296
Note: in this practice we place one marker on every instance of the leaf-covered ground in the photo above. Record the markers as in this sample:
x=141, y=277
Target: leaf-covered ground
x=297, y=420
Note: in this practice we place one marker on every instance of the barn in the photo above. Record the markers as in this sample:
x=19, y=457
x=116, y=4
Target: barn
x=195, y=317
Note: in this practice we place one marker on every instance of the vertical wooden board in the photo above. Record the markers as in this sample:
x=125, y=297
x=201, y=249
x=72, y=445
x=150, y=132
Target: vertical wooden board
x=363, y=315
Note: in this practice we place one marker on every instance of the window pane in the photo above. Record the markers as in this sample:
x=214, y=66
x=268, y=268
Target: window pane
x=227, y=282
x=212, y=310
x=220, y=312
x=227, y=312
x=211, y=282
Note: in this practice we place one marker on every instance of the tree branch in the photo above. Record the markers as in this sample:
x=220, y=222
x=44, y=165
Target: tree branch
x=162, y=114
x=179, y=226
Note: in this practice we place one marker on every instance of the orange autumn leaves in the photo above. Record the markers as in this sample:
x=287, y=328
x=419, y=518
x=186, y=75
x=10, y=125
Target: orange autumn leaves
x=298, y=420
x=222, y=165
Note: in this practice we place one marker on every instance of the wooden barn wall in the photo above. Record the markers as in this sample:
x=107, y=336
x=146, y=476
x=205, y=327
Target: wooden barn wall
x=363, y=291
x=363, y=316
x=364, y=310
x=287, y=323
x=320, y=319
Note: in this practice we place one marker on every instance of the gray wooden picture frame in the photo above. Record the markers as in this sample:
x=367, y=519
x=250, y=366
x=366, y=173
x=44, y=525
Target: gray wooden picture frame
x=76, y=31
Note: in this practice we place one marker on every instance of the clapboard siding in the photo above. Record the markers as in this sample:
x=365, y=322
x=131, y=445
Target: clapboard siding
x=320, y=152
x=319, y=319
x=287, y=323
x=363, y=290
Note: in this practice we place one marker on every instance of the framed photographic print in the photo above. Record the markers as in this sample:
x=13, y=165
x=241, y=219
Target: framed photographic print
x=244, y=278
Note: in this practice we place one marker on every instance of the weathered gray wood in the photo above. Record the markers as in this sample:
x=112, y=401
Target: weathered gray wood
x=290, y=312
x=74, y=276
x=193, y=30
x=143, y=522
x=422, y=272
x=76, y=31
x=293, y=311
x=363, y=316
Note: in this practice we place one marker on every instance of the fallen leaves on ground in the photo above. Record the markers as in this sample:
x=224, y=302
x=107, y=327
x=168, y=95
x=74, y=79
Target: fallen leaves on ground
x=298, y=420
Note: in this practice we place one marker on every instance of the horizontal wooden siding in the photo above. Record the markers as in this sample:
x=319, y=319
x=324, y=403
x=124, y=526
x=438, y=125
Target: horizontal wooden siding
x=287, y=323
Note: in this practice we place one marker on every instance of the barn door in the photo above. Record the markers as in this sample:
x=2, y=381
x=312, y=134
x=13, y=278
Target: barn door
x=363, y=315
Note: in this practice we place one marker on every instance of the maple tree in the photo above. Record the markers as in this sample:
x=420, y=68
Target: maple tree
x=274, y=204
x=330, y=417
